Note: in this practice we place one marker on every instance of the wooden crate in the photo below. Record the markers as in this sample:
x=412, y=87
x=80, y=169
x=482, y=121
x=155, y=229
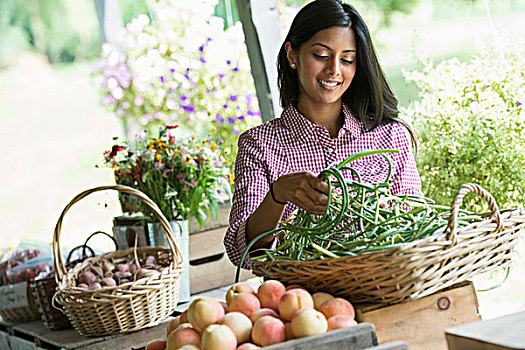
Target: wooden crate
x=209, y=265
x=422, y=322
x=502, y=333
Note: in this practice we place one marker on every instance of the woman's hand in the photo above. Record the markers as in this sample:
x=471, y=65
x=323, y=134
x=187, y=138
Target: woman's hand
x=304, y=189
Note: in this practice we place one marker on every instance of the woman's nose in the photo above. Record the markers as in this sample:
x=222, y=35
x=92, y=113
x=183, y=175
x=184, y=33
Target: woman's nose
x=334, y=66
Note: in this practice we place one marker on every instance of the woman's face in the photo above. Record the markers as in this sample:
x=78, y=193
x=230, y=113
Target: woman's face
x=325, y=65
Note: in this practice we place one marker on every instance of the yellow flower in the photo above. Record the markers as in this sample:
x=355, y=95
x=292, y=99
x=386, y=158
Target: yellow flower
x=158, y=158
x=213, y=148
x=206, y=141
x=197, y=147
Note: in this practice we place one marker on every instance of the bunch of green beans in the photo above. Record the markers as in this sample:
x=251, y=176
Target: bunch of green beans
x=360, y=217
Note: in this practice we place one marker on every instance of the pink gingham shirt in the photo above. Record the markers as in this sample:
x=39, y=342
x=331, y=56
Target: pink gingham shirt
x=292, y=143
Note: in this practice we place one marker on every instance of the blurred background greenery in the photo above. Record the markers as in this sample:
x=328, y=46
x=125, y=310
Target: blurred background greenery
x=53, y=129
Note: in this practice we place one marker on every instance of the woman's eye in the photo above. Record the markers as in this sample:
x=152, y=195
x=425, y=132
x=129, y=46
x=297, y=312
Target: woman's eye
x=347, y=61
x=321, y=57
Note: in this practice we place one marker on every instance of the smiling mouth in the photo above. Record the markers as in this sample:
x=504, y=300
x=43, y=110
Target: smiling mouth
x=328, y=84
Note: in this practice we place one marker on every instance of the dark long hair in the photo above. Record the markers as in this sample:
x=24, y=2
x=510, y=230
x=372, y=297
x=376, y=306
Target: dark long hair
x=369, y=96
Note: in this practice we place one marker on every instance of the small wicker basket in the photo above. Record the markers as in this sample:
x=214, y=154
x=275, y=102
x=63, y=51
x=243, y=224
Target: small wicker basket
x=127, y=307
x=416, y=269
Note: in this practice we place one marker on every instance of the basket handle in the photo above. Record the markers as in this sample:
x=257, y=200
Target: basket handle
x=102, y=233
x=458, y=199
x=60, y=269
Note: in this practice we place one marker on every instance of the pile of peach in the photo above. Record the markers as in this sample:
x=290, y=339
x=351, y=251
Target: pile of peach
x=250, y=320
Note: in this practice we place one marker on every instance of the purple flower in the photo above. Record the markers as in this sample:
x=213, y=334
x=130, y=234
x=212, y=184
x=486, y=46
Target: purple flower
x=233, y=98
x=187, y=76
x=235, y=131
x=235, y=69
x=219, y=119
x=250, y=113
x=201, y=48
x=188, y=108
x=162, y=79
x=202, y=60
x=519, y=103
x=228, y=62
x=192, y=182
x=231, y=120
x=181, y=178
x=172, y=70
x=241, y=117
x=183, y=97
x=224, y=106
x=221, y=75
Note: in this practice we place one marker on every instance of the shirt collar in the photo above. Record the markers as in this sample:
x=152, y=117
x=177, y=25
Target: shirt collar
x=301, y=126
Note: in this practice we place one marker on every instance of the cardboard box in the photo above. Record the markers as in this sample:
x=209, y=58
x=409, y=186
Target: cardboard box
x=502, y=333
x=422, y=322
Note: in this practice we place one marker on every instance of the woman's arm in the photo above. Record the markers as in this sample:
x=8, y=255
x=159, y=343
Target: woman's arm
x=253, y=209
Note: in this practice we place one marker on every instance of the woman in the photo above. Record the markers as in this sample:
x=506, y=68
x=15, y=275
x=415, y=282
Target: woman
x=336, y=102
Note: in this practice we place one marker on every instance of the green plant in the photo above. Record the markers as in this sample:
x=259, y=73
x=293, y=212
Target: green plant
x=471, y=123
x=186, y=177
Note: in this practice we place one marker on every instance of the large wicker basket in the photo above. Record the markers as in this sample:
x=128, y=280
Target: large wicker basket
x=127, y=307
x=416, y=269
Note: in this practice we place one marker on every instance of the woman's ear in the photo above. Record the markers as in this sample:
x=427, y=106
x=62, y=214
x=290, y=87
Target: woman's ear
x=290, y=55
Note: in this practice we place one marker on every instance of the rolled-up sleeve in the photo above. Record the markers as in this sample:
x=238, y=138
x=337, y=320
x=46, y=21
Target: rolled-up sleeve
x=251, y=186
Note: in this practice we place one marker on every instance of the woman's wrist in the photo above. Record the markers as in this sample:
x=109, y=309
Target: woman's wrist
x=272, y=193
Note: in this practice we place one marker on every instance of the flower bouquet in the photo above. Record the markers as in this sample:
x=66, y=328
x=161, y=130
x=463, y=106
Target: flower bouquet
x=186, y=177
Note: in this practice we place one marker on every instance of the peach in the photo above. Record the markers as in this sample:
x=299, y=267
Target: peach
x=307, y=322
x=288, y=330
x=269, y=293
x=172, y=325
x=340, y=321
x=320, y=298
x=248, y=346
x=246, y=303
x=294, y=300
x=184, y=325
x=158, y=344
x=263, y=312
x=337, y=306
x=184, y=317
x=239, y=287
x=218, y=337
x=268, y=330
x=294, y=286
x=189, y=347
x=183, y=336
x=203, y=312
x=240, y=325
x=225, y=307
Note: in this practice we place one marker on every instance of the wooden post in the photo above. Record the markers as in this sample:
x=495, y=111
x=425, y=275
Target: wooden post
x=260, y=22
